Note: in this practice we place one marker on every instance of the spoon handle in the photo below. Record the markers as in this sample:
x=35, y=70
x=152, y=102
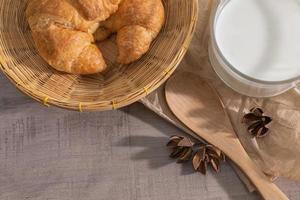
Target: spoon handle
x=266, y=188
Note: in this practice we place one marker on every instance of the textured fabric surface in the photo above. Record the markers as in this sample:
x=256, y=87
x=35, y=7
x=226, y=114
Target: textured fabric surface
x=48, y=153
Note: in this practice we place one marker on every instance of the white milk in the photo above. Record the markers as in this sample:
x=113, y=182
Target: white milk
x=261, y=38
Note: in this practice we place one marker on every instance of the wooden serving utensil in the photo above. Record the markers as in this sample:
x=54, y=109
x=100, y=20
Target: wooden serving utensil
x=197, y=104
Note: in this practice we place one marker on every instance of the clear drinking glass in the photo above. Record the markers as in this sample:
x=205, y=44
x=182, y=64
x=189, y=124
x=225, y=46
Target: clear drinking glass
x=235, y=79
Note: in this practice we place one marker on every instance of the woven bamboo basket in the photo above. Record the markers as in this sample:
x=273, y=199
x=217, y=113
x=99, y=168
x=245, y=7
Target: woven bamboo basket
x=121, y=85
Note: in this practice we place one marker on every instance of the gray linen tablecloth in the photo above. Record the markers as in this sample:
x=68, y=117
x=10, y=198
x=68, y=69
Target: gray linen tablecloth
x=54, y=154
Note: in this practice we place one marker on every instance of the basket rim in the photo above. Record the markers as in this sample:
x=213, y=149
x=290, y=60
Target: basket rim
x=113, y=105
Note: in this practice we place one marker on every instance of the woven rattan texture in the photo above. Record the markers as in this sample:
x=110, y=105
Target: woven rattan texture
x=119, y=86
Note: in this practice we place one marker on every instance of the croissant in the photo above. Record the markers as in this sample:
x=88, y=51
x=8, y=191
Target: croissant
x=62, y=31
x=137, y=23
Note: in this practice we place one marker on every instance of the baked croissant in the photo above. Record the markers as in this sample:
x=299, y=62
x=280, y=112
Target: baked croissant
x=137, y=23
x=62, y=31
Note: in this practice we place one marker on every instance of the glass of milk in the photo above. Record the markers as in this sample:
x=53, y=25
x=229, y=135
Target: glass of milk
x=255, y=45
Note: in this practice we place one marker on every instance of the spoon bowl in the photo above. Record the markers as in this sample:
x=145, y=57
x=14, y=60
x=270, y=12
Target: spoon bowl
x=197, y=104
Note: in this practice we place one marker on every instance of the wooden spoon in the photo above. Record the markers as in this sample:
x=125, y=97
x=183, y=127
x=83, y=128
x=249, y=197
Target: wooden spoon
x=198, y=105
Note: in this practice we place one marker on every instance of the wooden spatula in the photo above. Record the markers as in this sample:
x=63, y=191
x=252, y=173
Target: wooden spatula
x=197, y=104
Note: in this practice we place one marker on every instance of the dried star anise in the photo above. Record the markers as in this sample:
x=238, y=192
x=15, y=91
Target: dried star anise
x=182, y=148
x=257, y=122
x=207, y=154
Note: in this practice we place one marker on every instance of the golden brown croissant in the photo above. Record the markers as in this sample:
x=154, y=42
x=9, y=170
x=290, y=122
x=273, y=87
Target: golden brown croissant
x=137, y=23
x=62, y=31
